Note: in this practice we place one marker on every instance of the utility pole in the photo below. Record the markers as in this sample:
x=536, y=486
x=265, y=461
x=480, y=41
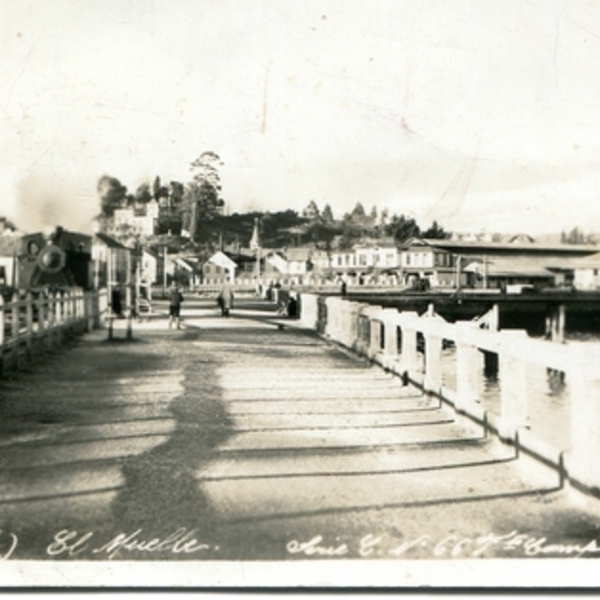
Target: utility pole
x=485, y=272
x=164, y=282
x=255, y=245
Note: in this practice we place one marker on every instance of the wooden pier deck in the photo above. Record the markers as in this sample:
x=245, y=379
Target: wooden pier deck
x=259, y=440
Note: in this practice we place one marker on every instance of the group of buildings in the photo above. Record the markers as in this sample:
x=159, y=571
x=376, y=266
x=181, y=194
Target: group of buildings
x=423, y=263
x=512, y=264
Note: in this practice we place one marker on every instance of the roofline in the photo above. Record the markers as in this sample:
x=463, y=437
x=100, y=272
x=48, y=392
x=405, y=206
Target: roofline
x=534, y=247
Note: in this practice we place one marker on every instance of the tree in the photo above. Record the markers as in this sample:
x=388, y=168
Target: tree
x=158, y=190
x=177, y=192
x=577, y=236
x=373, y=215
x=384, y=217
x=327, y=214
x=311, y=211
x=113, y=195
x=143, y=195
x=201, y=199
x=436, y=232
x=402, y=228
x=358, y=214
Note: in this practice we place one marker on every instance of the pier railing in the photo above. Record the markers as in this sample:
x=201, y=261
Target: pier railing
x=414, y=347
x=30, y=324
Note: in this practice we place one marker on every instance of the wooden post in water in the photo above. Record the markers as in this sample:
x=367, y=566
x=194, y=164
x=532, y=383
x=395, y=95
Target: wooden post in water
x=555, y=323
x=559, y=325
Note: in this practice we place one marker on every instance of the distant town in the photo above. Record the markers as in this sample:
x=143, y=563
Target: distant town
x=181, y=232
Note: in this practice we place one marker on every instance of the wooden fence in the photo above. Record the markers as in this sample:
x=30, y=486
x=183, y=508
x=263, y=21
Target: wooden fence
x=31, y=324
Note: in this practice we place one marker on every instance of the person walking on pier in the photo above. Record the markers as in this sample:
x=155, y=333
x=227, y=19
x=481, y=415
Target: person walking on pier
x=175, y=300
x=225, y=299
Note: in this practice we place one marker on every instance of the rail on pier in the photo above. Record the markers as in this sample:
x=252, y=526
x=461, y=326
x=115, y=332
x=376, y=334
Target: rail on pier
x=31, y=324
x=413, y=346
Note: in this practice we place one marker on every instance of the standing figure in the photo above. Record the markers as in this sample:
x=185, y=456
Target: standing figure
x=175, y=300
x=225, y=299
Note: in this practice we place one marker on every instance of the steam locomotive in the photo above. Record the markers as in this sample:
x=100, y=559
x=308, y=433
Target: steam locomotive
x=64, y=259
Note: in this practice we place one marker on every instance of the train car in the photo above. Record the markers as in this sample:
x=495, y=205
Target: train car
x=64, y=259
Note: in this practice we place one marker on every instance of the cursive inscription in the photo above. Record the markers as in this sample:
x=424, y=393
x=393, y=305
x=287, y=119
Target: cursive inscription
x=316, y=547
x=8, y=544
x=72, y=543
x=449, y=547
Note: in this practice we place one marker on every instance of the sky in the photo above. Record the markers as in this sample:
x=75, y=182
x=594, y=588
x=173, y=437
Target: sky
x=481, y=114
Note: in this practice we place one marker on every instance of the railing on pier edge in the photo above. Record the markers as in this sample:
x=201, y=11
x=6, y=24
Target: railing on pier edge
x=390, y=338
x=30, y=325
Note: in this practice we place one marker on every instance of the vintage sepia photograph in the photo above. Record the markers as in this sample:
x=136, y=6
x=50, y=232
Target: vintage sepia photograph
x=300, y=294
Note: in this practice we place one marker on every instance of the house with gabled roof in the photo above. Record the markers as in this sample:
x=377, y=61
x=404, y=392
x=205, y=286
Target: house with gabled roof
x=111, y=259
x=220, y=267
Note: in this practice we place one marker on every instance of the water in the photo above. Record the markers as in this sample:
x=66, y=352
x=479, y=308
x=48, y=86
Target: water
x=548, y=396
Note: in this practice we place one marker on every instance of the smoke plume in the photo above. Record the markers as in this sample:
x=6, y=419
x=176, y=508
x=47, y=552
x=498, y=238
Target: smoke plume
x=45, y=203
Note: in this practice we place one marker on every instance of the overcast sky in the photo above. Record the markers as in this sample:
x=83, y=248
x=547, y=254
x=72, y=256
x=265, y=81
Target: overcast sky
x=483, y=114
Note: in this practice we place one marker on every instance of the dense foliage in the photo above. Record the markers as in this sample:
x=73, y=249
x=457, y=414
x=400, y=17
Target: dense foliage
x=193, y=211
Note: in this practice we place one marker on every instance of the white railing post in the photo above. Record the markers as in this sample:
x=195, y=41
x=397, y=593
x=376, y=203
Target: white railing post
x=71, y=306
x=389, y=342
x=331, y=317
x=433, y=363
x=354, y=324
x=409, y=356
x=369, y=330
x=583, y=380
x=514, y=410
x=309, y=310
x=58, y=309
x=468, y=367
x=41, y=328
x=51, y=310
x=374, y=336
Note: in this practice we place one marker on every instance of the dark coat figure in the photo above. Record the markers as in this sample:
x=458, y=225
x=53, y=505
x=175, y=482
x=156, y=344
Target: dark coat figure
x=115, y=301
x=225, y=299
x=292, y=307
x=344, y=288
x=175, y=300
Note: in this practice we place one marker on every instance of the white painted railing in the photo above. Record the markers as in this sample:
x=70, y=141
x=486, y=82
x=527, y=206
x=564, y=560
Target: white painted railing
x=30, y=322
x=390, y=338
